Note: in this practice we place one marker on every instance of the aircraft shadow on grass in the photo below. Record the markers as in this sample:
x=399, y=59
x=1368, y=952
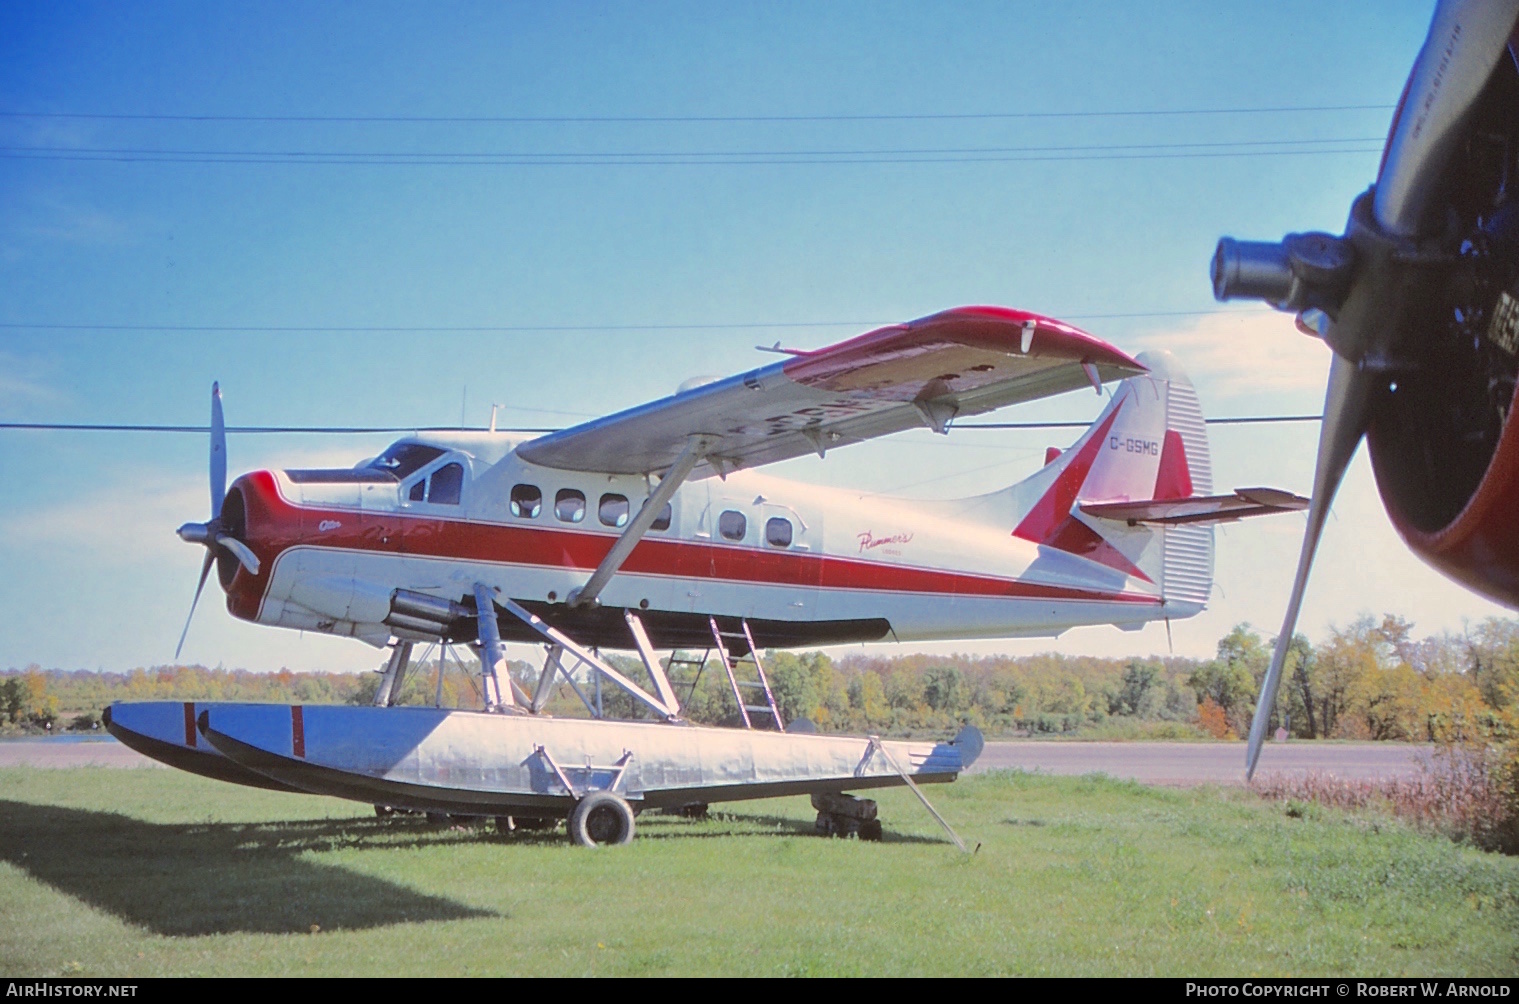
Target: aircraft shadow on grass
x=773, y=826
x=212, y=878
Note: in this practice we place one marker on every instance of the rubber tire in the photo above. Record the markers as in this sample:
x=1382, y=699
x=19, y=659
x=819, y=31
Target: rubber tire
x=439, y=820
x=601, y=819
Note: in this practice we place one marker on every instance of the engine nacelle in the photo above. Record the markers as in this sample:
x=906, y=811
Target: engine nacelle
x=1441, y=437
x=342, y=598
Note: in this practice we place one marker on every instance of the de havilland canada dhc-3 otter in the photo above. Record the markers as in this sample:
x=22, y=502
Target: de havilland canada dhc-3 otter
x=650, y=529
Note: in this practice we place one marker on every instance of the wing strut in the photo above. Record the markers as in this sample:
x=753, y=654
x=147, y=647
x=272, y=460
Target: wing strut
x=693, y=453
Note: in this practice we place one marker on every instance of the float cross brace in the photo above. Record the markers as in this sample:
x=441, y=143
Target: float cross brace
x=563, y=645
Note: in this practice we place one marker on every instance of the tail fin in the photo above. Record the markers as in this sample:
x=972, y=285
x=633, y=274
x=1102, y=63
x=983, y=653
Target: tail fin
x=1149, y=443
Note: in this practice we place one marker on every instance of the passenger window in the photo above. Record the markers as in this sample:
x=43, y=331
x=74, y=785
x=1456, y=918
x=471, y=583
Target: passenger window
x=418, y=491
x=778, y=531
x=569, y=505
x=613, y=510
x=445, y=485
x=527, y=501
x=732, y=525
x=662, y=521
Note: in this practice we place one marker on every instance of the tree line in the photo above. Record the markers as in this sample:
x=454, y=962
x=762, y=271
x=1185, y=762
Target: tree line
x=1367, y=680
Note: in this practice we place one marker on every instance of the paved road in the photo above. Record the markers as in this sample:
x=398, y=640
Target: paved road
x=67, y=751
x=1203, y=763
x=1152, y=763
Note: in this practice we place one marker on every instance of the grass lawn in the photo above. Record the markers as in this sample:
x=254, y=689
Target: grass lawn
x=108, y=872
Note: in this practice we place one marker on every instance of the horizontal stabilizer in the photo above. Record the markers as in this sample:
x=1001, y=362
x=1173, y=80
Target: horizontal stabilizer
x=1200, y=509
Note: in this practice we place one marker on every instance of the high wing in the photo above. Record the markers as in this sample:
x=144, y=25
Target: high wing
x=927, y=372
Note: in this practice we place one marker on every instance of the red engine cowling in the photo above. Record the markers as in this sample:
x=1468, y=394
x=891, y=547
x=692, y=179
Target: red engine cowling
x=1442, y=442
x=1479, y=545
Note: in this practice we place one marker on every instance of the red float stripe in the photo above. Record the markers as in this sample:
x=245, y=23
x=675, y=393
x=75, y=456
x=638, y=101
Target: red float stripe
x=297, y=731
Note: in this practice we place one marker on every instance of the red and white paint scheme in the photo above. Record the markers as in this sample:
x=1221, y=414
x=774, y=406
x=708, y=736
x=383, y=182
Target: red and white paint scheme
x=658, y=511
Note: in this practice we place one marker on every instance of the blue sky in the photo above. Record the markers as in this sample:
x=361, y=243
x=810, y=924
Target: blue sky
x=655, y=262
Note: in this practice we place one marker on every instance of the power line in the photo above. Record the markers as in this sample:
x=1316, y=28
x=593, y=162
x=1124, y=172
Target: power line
x=1234, y=420
x=676, y=119
x=545, y=328
x=278, y=430
x=1157, y=151
x=397, y=429
x=888, y=151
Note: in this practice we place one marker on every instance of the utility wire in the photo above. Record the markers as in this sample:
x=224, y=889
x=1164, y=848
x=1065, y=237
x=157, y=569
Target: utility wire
x=619, y=154
x=531, y=328
x=714, y=159
x=396, y=429
x=639, y=119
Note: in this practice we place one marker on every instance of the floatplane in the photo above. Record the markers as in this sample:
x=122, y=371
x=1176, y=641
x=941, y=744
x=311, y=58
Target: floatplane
x=653, y=529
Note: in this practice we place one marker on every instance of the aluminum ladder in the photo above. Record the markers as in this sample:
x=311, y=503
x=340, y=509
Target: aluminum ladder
x=684, y=668
x=726, y=643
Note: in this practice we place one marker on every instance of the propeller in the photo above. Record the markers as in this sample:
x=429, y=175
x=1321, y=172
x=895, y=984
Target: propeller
x=1365, y=292
x=211, y=534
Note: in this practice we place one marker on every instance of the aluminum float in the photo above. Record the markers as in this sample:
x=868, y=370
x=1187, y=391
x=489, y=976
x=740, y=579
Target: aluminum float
x=485, y=764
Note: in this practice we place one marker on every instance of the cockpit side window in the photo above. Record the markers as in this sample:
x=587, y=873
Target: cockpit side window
x=402, y=459
x=418, y=490
x=446, y=485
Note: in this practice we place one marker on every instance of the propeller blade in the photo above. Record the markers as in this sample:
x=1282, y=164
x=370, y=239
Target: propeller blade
x=240, y=551
x=1346, y=404
x=1466, y=39
x=218, y=452
x=205, y=569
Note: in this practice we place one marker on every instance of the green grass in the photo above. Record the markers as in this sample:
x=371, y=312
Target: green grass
x=1124, y=729
x=152, y=872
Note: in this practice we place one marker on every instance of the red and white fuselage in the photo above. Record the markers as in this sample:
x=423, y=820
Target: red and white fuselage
x=802, y=564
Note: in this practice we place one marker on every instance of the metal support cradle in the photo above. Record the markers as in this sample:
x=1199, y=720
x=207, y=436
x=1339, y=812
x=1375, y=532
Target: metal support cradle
x=664, y=703
x=875, y=747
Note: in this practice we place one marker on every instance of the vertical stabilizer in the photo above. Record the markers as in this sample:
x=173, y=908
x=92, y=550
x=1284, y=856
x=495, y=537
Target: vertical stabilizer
x=1150, y=442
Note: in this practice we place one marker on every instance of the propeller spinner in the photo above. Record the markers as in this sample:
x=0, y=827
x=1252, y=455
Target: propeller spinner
x=1375, y=293
x=211, y=534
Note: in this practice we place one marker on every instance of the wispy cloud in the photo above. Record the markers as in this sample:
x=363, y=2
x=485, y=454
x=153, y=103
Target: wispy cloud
x=1246, y=353
x=115, y=525
x=56, y=218
x=22, y=384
